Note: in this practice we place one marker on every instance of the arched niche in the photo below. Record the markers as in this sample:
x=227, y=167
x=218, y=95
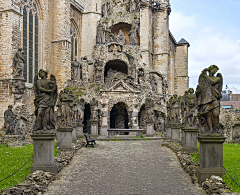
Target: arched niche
x=86, y=121
x=115, y=69
x=119, y=116
x=126, y=28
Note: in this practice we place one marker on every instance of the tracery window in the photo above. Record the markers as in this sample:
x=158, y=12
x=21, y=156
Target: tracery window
x=30, y=38
x=74, y=42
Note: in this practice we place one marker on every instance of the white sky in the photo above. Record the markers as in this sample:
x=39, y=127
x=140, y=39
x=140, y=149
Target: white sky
x=212, y=27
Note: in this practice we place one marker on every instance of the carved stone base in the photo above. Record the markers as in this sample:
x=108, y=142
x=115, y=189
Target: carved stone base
x=74, y=134
x=94, y=126
x=175, y=134
x=189, y=139
x=209, y=163
x=103, y=130
x=44, y=158
x=149, y=130
x=64, y=138
x=79, y=130
x=168, y=133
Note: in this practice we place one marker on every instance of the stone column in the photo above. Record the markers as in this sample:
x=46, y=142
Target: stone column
x=150, y=126
x=175, y=134
x=74, y=133
x=65, y=138
x=94, y=126
x=79, y=129
x=168, y=133
x=211, y=148
x=189, y=141
x=44, y=157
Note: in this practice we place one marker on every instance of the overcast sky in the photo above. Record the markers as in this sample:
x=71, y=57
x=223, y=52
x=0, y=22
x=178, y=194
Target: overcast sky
x=212, y=27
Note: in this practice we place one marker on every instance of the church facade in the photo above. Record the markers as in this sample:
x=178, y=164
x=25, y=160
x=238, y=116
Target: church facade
x=120, y=53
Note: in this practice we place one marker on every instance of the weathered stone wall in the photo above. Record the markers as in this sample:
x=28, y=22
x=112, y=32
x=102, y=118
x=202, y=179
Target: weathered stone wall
x=235, y=97
x=228, y=119
x=181, y=69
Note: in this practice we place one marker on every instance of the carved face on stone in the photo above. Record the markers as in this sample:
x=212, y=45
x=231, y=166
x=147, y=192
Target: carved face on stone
x=213, y=69
x=42, y=73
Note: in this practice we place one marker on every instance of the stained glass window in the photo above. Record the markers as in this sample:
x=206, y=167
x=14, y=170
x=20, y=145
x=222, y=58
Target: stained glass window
x=30, y=38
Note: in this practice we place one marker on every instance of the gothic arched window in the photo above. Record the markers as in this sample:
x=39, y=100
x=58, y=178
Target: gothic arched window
x=30, y=38
x=74, y=42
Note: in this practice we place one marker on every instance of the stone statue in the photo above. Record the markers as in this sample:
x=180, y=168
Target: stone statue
x=208, y=95
x=114, y=75
x=168, y=118
x=9, y=118
x=149, y=110
x=140, y=76
x=190, y=103
x=65, y=114
x=45, y=100
x=98, y=71
x=106, y=10
x=101, y=34
x=19, y=63
x=79, y=110
x=75, y=70
x=120, y=38
x=18, y=88
x=94, y=109
x=154, y=84
x=133, y=39
x=133, y=6
x=175, y=109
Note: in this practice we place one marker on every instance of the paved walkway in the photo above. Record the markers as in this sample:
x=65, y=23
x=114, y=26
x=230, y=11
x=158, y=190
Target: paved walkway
x=124, y=167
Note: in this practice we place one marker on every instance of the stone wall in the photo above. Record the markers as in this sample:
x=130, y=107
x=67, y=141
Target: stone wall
x=228, y=119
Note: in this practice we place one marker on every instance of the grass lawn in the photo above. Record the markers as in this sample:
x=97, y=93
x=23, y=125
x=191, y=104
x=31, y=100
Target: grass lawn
x=231, y=162
x=11, y=159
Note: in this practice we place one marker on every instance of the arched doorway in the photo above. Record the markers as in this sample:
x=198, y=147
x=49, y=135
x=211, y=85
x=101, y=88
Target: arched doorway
x=115, y=70
x=86, y=122
x=119, y=116
x=142, y=117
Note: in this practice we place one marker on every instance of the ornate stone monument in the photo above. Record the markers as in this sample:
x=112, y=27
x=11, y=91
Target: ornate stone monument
x=189, y=130
x=65, y=117
x=94, y=117
x=44, y=131
x=150, y=117
x=211, y=138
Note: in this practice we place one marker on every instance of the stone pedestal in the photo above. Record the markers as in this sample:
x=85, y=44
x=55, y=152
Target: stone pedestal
x=79, y=130
x=44, y=157
x=189, y=139
x=65, y=138
x=210, y=145
x=103, y=130
x=149, y=130
x=94, y=126
x=74, y=134
x=168, y=133
x=175, y=134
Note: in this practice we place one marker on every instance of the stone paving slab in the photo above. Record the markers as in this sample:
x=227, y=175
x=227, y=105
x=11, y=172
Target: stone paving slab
x=119, y=167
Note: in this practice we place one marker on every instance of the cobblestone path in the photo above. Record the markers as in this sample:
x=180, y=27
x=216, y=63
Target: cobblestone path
x=124, y=167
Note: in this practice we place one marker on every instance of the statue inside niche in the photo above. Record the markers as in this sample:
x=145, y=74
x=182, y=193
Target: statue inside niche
x=106, y=10
x=133, y=39
x=149, y=109
x=114, y=75
x=208, y=95
x=45, y=100
x=190, y=102
x=133, y=6
x=18, y=63
x=121, y=37
x=154, y=84
x=75, y=69
x=140, y=76
x=94, y=109
x=101, y=34
x=98, y=72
